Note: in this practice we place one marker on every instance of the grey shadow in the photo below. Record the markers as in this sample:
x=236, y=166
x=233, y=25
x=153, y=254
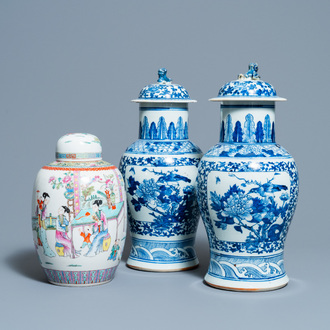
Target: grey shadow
x=203, y=254
x=127, y=248
x=27, y=264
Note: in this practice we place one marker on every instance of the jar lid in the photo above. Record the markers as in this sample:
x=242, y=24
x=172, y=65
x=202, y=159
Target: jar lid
x=248, y=87
x=164, y=91
x=78, y=147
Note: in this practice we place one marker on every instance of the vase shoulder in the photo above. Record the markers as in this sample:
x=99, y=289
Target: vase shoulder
x=163, y=147
x=248, y=150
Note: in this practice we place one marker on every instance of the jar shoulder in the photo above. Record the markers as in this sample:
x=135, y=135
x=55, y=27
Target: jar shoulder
x=66, y=171
x=92, y=165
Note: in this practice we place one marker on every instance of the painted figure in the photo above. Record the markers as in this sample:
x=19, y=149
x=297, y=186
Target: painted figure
x=114, y=251
x=63, y=242
x=41, y=232
x=100, y=230
x=87, y=237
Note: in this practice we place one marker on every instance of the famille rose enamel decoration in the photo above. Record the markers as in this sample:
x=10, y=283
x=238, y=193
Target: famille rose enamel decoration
x=79, y=214
x=247, y=190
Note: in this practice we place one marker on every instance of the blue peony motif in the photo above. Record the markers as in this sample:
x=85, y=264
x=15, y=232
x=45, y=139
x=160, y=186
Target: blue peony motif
x=147, y=190
x=284, y=197
x=239, y=207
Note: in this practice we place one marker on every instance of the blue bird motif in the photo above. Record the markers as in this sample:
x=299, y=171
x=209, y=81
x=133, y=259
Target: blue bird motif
x=173, y=177
x=169, y=177
x=268, y=188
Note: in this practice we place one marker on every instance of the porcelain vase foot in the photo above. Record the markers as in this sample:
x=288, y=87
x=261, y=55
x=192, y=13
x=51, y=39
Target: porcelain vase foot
x=246, y=286
x=145, y=266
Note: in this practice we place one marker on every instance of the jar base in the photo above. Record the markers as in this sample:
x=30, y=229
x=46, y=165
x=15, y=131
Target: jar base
x=246, y=286
x=80, y=278
x=149, y=267
x=80, y=284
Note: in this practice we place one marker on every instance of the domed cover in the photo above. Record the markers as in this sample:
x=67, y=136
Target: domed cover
x=78, y=146
x=164, y=90
x=248, y=86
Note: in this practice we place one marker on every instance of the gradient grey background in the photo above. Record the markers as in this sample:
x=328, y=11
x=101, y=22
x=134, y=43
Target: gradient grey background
x=74, y=66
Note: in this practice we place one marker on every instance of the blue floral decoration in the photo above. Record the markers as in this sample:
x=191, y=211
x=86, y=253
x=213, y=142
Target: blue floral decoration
x=241, y=208
x=166, y=203
x=248, y=85
x=164, y=89
x=163, y=147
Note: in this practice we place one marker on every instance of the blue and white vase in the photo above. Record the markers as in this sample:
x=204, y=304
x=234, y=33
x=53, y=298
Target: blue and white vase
x=160, y=171
x=247, y=190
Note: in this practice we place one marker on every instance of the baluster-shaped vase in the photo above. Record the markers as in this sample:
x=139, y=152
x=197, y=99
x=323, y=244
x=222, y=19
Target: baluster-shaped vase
x=160, y=171
x=79, y=214
x=247, y=190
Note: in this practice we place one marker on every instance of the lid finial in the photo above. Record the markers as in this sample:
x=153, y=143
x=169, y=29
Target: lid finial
x=164, y=91
x=252, y=73
x=248, y=87
x=162, y=76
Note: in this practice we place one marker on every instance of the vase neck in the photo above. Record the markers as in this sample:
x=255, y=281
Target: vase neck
x=250, y=122
x=165, y=121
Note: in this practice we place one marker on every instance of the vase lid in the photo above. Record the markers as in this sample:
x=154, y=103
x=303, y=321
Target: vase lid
x=78, y=147
x=248, y=87
x=164, y=91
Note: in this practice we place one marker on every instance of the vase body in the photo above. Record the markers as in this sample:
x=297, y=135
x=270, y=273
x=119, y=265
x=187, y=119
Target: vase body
x=247, y=192
x=160, y=171
x=79, y=214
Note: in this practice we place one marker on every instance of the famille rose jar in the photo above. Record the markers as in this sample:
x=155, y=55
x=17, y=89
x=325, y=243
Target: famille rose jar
x=79, y=214
x=160, y=171
x=247, y=190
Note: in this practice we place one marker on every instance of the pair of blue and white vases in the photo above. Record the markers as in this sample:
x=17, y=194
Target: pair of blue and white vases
x=245, y=187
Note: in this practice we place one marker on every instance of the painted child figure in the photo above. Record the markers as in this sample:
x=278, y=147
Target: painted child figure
x=86, y=234
x=114, y=251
